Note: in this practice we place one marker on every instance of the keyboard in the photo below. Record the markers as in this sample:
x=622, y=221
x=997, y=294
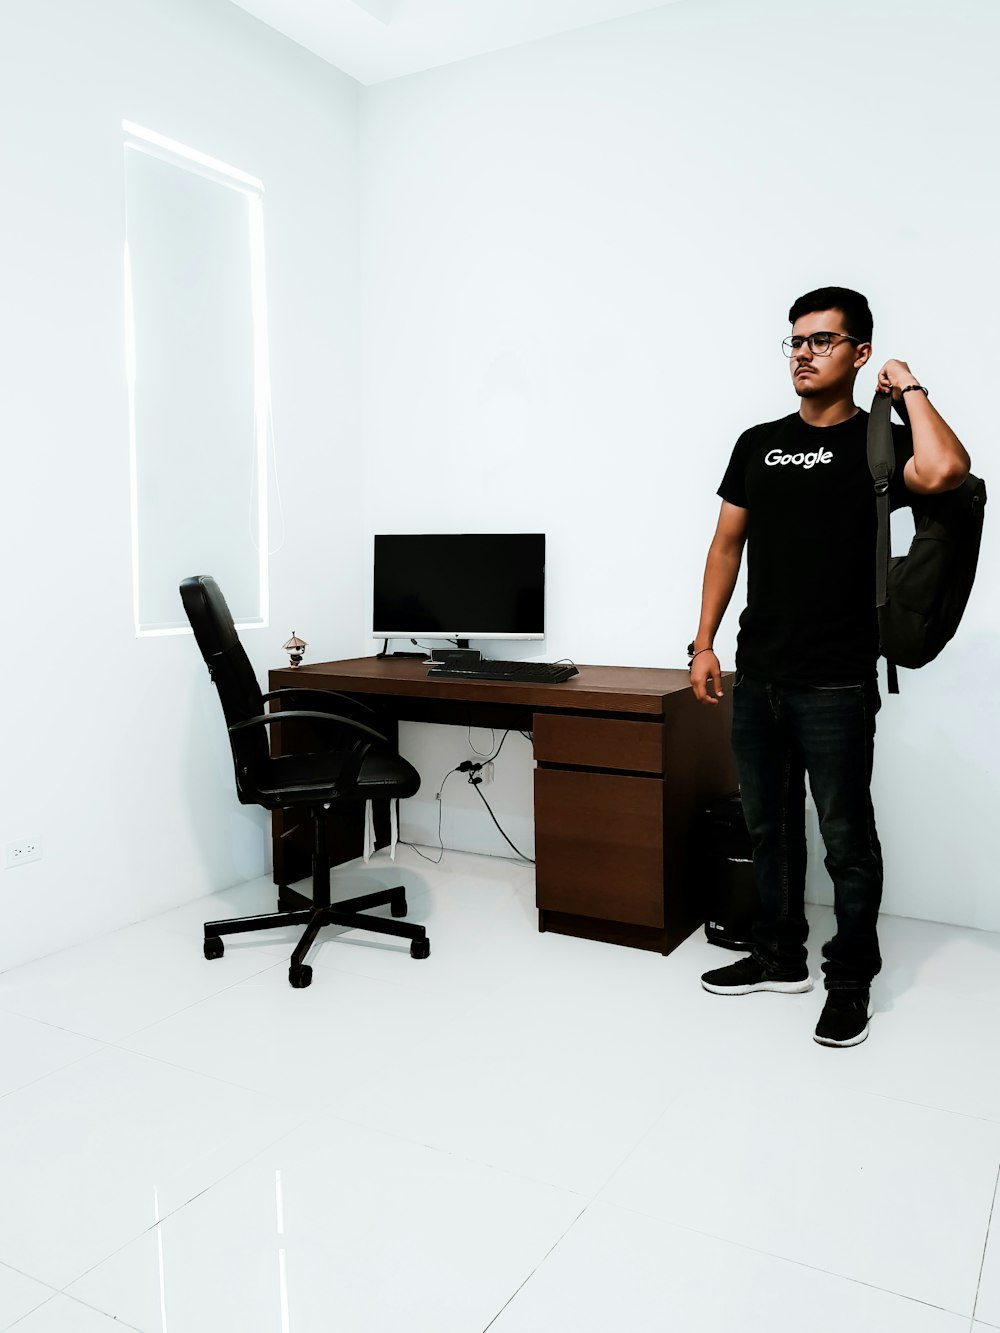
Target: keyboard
x=528, y=673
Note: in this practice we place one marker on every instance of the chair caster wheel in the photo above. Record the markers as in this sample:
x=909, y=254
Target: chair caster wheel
x=214, y=947
x=300, y=977
x=398, y=905
x=420, y=948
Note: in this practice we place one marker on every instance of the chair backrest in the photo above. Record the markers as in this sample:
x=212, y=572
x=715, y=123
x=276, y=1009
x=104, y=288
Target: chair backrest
x=231, y=672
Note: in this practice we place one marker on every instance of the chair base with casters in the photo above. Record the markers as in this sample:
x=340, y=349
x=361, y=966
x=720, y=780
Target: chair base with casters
x=314, y=913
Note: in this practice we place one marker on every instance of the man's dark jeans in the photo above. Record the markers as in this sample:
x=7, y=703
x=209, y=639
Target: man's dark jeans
x=780, y=733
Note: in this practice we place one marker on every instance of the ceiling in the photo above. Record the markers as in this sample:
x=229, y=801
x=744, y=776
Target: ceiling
x=375, y=40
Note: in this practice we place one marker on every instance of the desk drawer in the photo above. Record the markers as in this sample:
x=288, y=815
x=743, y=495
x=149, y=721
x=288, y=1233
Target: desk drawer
x=599, y=845
x=598, y=742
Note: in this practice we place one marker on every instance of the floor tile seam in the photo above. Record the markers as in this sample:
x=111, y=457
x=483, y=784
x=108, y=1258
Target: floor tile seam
x=214, y=1184
x=203, y=999
x=366, y=976
x=545, y=1257
x=140, y=924
x=12, y=1328
x=199, y=1074
x=318, y=1115
x=828, y=1084
x=438, y=991
x=168, y=1215
x=431, y=989
x=986, y=1241
x=59, y=1069
x=822, y=1081
x=443, y=986
x=787, y=1259
x=56, y=1027
x=119, y=1323
x=30, y=1276
x=242, y=887
x=79, y=944
x=654, y=1124
x=173, y=1013
x=194, y=932
x=46, y=1022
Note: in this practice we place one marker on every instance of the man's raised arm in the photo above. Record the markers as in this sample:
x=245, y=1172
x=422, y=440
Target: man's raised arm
x=939, y=461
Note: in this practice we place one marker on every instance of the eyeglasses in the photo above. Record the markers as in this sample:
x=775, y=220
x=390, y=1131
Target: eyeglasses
x=820, y=344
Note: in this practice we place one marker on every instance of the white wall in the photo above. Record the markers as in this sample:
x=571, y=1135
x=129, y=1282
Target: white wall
x=551, y=237
x=114, y=750
x=578, y=257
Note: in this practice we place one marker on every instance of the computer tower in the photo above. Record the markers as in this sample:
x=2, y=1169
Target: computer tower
x=722, y=872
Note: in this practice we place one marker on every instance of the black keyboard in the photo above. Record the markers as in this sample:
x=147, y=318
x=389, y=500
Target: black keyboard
x=528, y=673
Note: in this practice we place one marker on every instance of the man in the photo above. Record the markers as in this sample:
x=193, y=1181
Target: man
x=799, y=495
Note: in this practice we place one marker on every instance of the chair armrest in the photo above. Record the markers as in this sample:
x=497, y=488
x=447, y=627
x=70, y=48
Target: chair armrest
x=317, y=698
x=294, y=714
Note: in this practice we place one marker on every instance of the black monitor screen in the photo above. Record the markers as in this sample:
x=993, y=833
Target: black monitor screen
x=467, y=585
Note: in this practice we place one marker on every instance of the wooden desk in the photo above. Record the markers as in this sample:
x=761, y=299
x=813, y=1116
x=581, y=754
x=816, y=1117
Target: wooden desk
x=624, y=756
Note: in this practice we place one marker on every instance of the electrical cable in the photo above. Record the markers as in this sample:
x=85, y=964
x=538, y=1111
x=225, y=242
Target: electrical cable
x=499, y=747
x=432, y=860
x=502, y=834
x=493, y=741
x=385, y=648
x=488, y=758
x=472, y=770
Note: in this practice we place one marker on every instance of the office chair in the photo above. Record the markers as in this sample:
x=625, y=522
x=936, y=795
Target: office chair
x=355, y=764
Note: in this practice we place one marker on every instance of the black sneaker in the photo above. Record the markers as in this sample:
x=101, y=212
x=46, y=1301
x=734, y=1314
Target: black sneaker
x=748, y=975
x=844, y=1020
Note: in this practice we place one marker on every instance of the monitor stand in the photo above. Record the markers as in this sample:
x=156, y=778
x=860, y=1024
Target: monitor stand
x=451, y=654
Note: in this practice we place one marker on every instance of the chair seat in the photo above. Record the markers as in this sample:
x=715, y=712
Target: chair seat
x=310, y=779
x=383, y=770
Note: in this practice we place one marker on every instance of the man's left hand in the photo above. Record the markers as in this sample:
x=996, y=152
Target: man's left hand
x=895, y=376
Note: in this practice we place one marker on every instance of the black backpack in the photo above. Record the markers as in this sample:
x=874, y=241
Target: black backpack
x=920, y=596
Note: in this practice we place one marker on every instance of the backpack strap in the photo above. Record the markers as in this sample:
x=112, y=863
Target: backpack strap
x=882, y=465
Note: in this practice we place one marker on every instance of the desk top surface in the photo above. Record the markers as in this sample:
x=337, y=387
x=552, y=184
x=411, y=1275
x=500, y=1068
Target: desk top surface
x=596, y=688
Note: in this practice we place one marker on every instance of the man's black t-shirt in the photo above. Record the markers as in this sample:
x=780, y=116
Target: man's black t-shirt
x=810, y=616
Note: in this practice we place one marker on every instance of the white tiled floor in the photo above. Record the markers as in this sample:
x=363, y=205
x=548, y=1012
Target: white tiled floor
x=524, y=1132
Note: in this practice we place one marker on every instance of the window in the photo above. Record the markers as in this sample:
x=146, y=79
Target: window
x=198, y=379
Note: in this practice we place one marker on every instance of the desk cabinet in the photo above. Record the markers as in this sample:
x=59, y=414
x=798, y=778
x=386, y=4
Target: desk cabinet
x=625, y=756
x=614, y=799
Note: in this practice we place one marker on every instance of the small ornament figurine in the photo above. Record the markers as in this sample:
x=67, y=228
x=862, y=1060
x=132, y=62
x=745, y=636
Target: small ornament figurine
x=295, y=648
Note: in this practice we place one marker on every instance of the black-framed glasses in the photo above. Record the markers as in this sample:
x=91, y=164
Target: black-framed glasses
x=820, y=344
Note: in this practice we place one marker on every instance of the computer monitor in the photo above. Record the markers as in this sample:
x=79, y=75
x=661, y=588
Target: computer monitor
x=459, y=586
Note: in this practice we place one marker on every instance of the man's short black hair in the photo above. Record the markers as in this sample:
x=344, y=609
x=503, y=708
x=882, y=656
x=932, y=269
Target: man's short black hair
x=852, y=305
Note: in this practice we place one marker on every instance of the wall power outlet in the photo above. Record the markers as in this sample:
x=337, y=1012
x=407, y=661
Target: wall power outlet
x=22, y=851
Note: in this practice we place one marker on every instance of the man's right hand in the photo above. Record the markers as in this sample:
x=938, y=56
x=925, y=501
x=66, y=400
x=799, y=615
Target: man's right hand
x=706, y=677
